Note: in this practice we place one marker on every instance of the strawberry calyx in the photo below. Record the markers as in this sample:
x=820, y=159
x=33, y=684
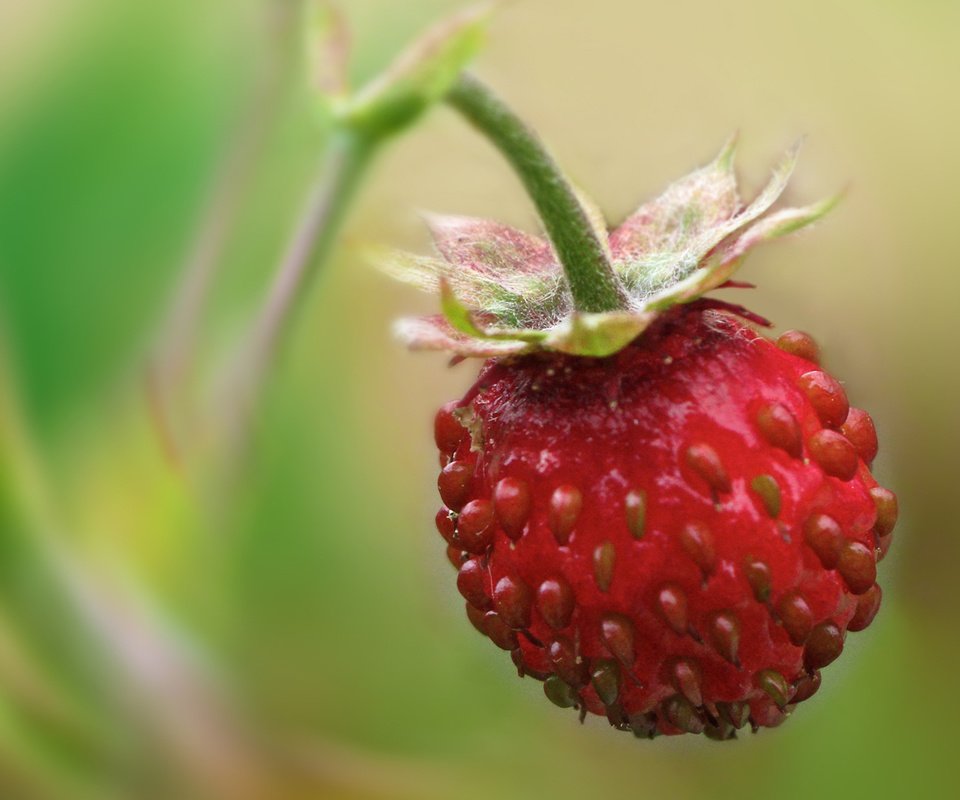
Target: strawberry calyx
x=506, y=292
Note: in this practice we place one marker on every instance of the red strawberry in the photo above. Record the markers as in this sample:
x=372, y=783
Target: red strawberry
x=672, y=522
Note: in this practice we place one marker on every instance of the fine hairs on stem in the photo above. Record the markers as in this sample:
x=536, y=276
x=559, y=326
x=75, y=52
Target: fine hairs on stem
x=592, y=282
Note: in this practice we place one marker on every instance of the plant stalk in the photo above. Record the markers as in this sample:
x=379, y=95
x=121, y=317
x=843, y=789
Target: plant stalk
x=175, y=354
x=313, y=239
x=592, y=281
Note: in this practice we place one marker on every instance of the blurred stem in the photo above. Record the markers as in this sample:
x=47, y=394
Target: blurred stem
x=114, y=676
x=176, y=350
x=316, y=233
x=592, y=281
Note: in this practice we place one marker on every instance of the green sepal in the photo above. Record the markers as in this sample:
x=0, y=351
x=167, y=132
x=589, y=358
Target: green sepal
x=463, y=320
x=725, y=262
x=419, y=78
x=503, y=291
x=597, y=335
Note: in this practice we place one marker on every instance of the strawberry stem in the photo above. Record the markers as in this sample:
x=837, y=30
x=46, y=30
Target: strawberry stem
x=590, y=276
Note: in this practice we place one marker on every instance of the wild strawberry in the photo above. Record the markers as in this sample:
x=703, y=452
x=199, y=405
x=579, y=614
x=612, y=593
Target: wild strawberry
x=663, y=515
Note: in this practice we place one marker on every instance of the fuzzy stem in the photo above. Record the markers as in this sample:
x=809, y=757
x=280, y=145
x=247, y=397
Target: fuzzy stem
x=590, y=276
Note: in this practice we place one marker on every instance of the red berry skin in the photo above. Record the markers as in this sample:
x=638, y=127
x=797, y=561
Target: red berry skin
x=719, y=607
x=859, y=429
x=800, y=344
x=447, y=430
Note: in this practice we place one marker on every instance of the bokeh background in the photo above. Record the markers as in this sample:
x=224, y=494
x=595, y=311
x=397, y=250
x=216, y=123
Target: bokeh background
x=279, y=621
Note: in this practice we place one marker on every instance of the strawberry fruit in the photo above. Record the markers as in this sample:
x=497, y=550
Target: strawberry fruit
x=666, y=517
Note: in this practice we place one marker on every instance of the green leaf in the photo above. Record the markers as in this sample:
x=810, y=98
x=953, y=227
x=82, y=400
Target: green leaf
x=419, y=78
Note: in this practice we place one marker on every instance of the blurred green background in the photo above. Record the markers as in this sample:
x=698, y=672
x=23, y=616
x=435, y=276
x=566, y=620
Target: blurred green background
x=293, y=630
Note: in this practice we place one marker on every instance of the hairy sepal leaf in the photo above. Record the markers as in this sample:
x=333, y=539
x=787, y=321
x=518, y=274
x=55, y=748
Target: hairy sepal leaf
x=721, y=265
x=464, y=320
x=597, y=335
x=669, y=241
x=689, y=206
x=435, y=333
x=503, y=291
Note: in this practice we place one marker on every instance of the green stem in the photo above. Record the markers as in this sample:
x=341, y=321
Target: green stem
x=591, y=278
x=178, y=339
x=308, y=249
x=315, y=235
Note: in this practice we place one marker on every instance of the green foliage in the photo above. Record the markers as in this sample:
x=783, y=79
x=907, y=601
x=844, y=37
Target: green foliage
x=418, y=79
x=100, y=175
